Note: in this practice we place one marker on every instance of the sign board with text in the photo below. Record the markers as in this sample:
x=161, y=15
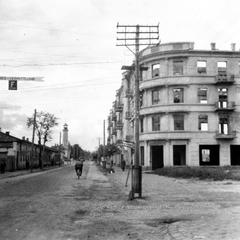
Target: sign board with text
x=12, y=85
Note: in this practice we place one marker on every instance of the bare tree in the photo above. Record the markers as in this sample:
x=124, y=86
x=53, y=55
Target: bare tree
x=43, y=126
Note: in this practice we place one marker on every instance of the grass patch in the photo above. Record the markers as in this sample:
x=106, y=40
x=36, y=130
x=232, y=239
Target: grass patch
x=206, y=172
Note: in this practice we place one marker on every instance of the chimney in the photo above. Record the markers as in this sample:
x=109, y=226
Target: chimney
x=213, y=46
x=233, y=46
x=27, y=139
x=0, y=129
x=7, y=133
x=23, y=138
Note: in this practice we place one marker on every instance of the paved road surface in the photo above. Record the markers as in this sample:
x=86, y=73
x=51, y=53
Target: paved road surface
x=56, y=205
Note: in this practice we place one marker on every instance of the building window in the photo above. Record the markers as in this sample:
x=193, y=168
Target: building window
x=202, y=95
x=223, y=124
x=155, y=97
x=222, y=67
x=222, y=97
x=205, y=155
x=178, y=95
x=201, y=66
x=177, y=67
x=141, y=125
x=178, y=122
x=156, y=123
x=155, y=70
x=203, y=122
x=141, y=98
x=142, y=155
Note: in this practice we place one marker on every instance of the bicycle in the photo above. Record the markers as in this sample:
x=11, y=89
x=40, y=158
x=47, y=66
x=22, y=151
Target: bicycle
x=79, y=173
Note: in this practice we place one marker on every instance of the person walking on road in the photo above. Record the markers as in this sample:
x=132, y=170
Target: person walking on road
x=123, y=165
x=27, y=165
x=3, y=165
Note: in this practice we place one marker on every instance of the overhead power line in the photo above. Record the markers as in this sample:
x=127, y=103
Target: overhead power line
x=57, y=64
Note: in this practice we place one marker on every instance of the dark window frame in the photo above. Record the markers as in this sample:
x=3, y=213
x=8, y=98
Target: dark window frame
x=155, y=97
x=155, y=70
x=156, y=123
x=201, y=120
x=177, y=67
x=202, y=97
x=201, y=69
x=178, y=95
x=178, y=122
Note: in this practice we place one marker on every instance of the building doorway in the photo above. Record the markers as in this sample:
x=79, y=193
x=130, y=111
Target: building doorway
x=157, y=157
x=209, y=155
x=234, y=151
x=179, y=155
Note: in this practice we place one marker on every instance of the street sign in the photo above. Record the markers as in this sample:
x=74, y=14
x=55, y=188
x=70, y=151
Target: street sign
x=22, y=78
x=12, y=85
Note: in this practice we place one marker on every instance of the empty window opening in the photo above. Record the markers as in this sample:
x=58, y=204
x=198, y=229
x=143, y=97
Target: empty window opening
x=202, y=95
x=141, y=98
x=178, y=122
x=142, y=155
x=177, y=67
x=179, y=155
x=205, y=155
x=203, y=122
x=155, y=97
x=222, y=97
x=201, y=66
x=209, y=155
x=178, y=95
x=141, y=125
x=223, y=124
x=156, y=123
x=155, y=70
x=222, y=68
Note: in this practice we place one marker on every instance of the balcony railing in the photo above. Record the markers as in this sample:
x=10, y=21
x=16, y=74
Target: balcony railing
x=119, y=125
x=224, y=78
x=228, y=136
x=119, y=142
x=129, y=93
x=119, y=107
x=114, y=117
x=129, y=138
x=128, y=115
x=225, y=106
x=114, y=131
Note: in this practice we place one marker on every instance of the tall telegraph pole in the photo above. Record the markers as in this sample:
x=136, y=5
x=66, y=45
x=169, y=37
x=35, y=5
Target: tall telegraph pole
x=132, y=36
x=104, y=161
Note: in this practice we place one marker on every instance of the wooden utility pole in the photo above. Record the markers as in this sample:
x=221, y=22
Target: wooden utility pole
x=34, y=123
x=60, y=149
x=132, y=33
x=104, y=161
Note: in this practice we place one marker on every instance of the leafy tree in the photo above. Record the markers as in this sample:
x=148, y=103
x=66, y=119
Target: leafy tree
x=110, y=150
x=43, y=128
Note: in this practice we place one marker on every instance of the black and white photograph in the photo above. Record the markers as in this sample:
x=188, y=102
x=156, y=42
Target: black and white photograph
x=120, y=120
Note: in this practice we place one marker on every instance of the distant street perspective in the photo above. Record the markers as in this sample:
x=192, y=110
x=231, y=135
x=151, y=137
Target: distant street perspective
x=119, y=120
x=54, y=204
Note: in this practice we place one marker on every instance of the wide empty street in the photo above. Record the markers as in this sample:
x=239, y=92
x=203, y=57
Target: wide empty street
x=54, y=204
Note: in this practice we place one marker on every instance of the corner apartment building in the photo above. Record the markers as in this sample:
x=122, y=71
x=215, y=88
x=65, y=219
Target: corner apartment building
x=190, y=108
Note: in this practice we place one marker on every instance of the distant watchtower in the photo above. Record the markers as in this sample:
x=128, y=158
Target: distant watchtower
x=65, y=139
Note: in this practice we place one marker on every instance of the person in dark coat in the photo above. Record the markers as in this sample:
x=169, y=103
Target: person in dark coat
x=27, y=165
x=123, y=165
x=3, y=166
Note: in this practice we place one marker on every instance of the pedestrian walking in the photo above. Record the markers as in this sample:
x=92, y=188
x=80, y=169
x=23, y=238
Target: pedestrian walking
x=27, y=165
x=123, y=165
x=3, y=166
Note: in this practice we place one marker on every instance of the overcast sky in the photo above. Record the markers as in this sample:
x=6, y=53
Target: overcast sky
x=72, y=44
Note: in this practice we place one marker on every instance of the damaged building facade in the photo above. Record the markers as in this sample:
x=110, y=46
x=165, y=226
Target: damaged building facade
x=189, y=107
